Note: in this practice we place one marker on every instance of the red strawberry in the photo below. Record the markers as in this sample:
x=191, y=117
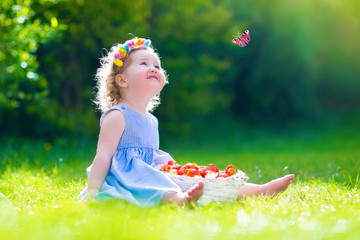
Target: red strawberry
x=231, y=170
x=165, y=167
x=193, y=172
x=181, y=171
x=190, y=166
x=212, y=167
x=171, y=162
x=222, y=174
x=202, y=171
x=176, y=166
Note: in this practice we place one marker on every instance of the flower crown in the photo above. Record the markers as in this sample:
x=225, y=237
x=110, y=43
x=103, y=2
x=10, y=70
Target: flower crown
x=125, y=48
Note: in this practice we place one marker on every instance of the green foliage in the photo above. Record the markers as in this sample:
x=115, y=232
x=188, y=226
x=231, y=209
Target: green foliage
x=194, y=54
x=71, y=61
x=20, y=82
x=301, y=61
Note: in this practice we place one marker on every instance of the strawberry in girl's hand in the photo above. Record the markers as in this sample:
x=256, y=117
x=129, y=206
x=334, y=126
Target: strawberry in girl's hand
x=231, y=170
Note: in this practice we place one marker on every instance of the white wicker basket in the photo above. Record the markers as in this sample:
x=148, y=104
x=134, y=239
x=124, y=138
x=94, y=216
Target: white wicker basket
x=215, y=189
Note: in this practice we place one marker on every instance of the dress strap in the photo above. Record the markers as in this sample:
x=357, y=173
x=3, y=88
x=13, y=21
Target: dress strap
x=116, y=107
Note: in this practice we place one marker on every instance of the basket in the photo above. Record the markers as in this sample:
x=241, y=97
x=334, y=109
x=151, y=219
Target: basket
x=215, y=189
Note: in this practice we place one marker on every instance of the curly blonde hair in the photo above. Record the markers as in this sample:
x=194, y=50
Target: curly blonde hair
x=107, y=90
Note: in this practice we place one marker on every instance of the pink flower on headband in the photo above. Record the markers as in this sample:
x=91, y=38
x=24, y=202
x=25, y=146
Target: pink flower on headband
x=118, y=60
x=129, y=43
x=125, y=48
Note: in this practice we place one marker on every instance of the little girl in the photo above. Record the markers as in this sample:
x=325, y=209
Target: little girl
x=129, y=82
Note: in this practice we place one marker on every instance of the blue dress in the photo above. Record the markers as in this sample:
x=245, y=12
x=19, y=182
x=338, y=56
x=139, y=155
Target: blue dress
x=134, y=174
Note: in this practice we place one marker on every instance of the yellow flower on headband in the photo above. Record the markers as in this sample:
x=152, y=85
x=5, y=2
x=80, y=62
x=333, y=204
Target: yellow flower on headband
x=118, y=62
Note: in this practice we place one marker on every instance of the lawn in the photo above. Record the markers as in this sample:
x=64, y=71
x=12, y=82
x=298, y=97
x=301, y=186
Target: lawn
x=40, y=181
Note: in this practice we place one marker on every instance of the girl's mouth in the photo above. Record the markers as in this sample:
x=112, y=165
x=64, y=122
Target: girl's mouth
x=153, y=76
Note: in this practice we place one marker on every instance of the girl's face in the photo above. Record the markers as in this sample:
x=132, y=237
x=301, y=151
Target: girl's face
x=144, y=73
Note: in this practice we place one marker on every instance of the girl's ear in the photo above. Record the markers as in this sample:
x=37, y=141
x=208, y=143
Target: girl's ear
x=121, y=81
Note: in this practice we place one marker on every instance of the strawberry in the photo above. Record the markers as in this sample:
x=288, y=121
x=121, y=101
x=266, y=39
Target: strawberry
x=171, y=162
x=212, y=167
x=202, y=171
x=231, y=170
x=186, y=172
x=193, y=172
x=222, y=174
x=165, y=167
x=181, y=171
x=188, y=165
x=191, y=166
x=176, y=166
x=192, y=169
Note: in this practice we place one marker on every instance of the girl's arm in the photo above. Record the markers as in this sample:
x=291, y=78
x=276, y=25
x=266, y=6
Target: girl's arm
x=111, y=130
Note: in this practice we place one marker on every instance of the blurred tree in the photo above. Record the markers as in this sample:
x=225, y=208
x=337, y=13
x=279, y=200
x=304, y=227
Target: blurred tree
x=71, y=61
x=190, y=38
x=271, y=86
x=336, y=67
x=194, y=66
x=302, y=53
x=302, y=58
x=20, y=82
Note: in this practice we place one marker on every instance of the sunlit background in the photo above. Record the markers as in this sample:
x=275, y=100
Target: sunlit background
x=301, y=65
x=289, y=102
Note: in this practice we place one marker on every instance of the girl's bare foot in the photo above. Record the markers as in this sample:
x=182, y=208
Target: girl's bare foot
x=270, y=189
x=278, y=185
x=189, y=197
x=194, y=193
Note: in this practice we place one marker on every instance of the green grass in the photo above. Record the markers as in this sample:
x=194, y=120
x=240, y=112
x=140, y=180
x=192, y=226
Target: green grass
x=40, y=181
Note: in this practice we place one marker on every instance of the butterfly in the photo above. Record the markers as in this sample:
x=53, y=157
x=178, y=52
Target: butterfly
x=243, y=40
